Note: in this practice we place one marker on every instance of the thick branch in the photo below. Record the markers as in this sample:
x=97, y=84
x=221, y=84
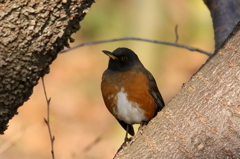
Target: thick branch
x=225, y=15
x=203, y=120
x=32, y=33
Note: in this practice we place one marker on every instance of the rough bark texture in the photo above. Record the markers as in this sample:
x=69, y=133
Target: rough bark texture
x=225, y=15
x=203, y=120
x=32, y=32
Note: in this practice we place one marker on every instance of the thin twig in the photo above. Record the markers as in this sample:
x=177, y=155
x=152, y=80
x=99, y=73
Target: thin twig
x=47, y=121
x=97, y=140
x=140, y=39
x=176, y=33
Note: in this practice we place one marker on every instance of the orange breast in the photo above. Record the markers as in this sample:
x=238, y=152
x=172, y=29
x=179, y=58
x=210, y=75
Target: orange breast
x=132, y=83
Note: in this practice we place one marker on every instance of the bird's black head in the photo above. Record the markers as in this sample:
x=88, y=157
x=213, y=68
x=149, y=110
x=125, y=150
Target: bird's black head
x=122, y=59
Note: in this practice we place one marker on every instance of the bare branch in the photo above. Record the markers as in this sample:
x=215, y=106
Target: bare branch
x=97, y=140
x=176, y=33
x=47, y=121
x=140, y=39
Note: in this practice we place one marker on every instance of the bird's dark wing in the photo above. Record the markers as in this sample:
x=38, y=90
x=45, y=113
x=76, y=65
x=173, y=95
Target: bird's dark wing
x=130, y=127
x=152, y=85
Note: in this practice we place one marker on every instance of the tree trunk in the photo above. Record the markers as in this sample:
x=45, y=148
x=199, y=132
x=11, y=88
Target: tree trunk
x=32, y=33
x=225, y=15
x=203, y=120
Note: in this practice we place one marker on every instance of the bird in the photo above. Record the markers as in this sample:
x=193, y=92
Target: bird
x=129, y=90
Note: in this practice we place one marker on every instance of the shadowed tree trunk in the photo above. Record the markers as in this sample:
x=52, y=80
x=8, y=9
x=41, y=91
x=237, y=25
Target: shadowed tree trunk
x=32, y=33
x=225, y=15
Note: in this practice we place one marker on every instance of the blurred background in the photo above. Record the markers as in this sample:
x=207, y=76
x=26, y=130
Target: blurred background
x=81, y=124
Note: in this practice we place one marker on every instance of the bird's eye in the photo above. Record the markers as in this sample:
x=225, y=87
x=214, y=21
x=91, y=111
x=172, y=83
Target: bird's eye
x=124, y=58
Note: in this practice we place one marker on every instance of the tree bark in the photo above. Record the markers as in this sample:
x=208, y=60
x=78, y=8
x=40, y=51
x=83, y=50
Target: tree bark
x=32, y=33
x=203, y=120
x=225, y=15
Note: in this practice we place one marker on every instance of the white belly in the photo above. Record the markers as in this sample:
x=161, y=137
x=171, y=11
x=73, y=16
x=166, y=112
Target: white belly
x=128, y=111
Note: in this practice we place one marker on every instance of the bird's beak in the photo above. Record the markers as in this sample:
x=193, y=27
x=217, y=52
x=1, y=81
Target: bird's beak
x=109, y=54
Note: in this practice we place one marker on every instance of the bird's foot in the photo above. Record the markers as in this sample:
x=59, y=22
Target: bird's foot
x=125, y=143
x=141, y=128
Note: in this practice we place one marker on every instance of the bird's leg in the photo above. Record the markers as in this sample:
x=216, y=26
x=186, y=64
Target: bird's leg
x=140, y=130
x=126, y=136
x=125, y=140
